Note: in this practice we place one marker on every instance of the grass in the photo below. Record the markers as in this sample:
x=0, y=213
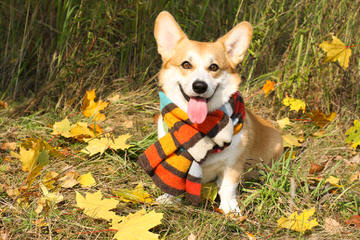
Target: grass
x=51, y=54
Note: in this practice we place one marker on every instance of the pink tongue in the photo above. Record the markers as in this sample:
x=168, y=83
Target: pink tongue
x=197, y=110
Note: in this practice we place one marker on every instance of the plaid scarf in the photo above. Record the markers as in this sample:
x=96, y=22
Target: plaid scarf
x=173, y=162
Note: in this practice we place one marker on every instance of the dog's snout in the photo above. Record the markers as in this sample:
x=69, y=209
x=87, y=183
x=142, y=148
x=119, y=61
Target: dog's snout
x=199, y=86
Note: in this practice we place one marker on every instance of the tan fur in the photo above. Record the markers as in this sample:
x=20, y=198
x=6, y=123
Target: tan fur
x=258, y=142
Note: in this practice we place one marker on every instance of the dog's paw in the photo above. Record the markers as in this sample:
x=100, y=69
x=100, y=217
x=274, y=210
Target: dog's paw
x=230, y=206
x=167, y=199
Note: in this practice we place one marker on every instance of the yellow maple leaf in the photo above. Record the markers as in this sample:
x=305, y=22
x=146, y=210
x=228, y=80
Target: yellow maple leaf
x=299, y=221
x=294, y=104
x=291, y=141
x=320, y=119
x=48, y=198
x=92, y=109
x=96, y=207
x=62, y=128
x=268, y=87
x=135, y=196
x=49, y=179
x=86, y=180
x=120, y=142
x=34, y=156
x=334, y=181
x=99, y=145
x=283, y=122
x=336, y=51
x=135, y=226
x=80, y=131
x=209, y=191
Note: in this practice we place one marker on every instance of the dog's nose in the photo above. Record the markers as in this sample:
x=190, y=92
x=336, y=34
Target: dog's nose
x=199, y=86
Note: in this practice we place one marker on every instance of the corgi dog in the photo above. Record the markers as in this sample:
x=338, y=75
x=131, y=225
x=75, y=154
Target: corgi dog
x=200, y=77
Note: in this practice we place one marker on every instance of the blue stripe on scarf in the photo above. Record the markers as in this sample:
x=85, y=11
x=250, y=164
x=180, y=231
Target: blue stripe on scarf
x=164, y=100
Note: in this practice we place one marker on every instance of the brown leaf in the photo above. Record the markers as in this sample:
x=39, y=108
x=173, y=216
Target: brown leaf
x=3, y=104
x=332, y=227
x=316, y=168
x=320, y=119
x=354, y=221
x=8, y=146
x=218, y=210
x=191, y=237
x=355, y=159
x=355, y=177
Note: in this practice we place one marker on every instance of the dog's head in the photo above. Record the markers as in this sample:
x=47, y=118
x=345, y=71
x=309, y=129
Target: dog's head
x=199, y=77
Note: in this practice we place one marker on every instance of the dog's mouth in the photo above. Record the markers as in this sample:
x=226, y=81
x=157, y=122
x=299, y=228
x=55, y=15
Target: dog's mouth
x=197, y=106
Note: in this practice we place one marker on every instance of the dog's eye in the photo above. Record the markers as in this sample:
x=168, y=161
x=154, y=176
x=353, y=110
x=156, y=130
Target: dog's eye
x=213, y=67
x=186, y=65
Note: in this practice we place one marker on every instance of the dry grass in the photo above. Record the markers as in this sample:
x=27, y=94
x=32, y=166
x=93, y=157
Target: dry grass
x=73, y=46
x=262, y=201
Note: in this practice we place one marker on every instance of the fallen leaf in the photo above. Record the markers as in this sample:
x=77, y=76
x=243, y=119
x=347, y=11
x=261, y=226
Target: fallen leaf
x=86, y=180
x=191, y=237
x=40, y=222
x=114, y=98
x=299, y=221
x=69, y=180
x=333, y=181
x=336, y=51
x=320, y=119
x=80, y=131
x=319, y=133
x=135, y=196
x=294, y=104
x=48, y=199
x=250, y=236
x=268, y=87
x=62, y=128
x=49, y=179
x=283, y=122
x=355, y=177
x=92, y=109
x=8, y=146
x=95, y=129
x=120, y=142
x=218, y=210
x=354, y=134
x=355, y=159
x=96, y=207
x=332, y=227
x=316, y=168
x=127, y=124
x=97, y=145
x=3, y=104
x=291, y=141
x=209, y=191
x=34, y=156
x=136, y=226
x=354, y=221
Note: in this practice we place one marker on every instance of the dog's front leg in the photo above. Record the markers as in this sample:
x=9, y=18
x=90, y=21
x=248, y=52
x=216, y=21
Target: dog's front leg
x=228, y=183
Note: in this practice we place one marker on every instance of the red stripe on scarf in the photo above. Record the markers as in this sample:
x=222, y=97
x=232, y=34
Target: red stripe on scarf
x=169, y=178
x=193, y=187
x=153, y=156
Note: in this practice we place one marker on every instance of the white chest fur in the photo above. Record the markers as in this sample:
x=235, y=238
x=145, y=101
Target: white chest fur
x=215, y=163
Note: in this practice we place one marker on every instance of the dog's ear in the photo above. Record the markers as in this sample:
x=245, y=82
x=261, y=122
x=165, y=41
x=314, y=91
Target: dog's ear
x=167, y=34
x=237, y=41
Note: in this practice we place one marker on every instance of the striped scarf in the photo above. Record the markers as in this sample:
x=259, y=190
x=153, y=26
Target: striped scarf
x=173, y=162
